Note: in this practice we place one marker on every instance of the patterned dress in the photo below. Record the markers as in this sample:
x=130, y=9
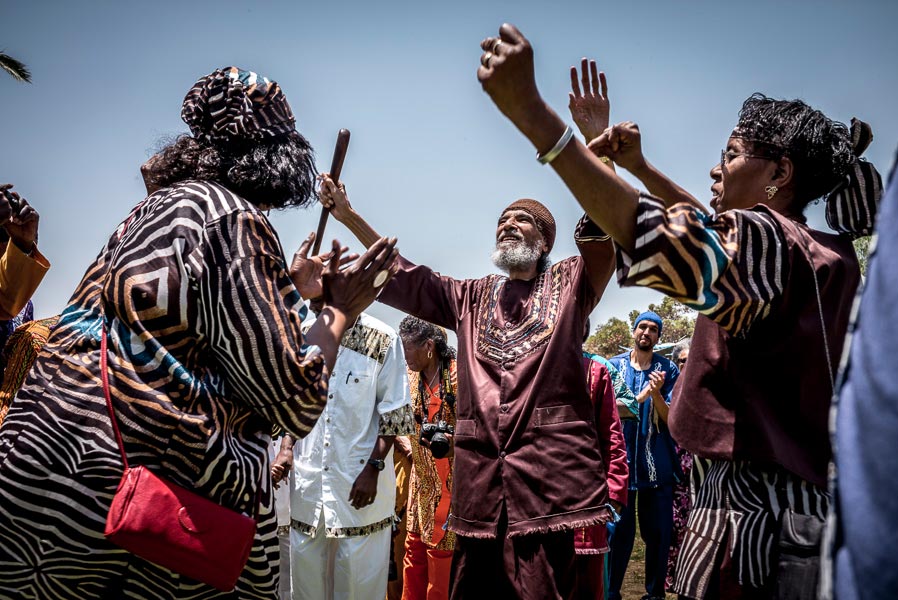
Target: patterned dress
x=682, y=506
x=206, y=354
x=426, y=497
x=18, y=355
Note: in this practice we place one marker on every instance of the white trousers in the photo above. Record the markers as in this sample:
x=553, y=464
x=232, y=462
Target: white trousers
x=353, y=568
x=284, y=582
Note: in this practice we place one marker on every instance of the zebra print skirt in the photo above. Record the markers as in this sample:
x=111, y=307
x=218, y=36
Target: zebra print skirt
x=736, y=508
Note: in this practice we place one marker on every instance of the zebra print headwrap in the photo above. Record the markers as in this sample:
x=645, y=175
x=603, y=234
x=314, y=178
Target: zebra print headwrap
x=233, y=106
x=852, y=205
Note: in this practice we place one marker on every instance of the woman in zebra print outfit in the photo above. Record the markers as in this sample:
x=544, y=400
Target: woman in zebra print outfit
x=206, y=355
x=774, y=297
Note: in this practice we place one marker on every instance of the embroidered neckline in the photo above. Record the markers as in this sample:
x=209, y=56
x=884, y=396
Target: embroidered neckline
x=498, y=343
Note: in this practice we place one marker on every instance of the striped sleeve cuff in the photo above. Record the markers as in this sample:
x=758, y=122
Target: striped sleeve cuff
x=729, y=267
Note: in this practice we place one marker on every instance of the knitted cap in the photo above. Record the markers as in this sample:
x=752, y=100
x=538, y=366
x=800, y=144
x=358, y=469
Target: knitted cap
x=545, y=222
x=649, y=316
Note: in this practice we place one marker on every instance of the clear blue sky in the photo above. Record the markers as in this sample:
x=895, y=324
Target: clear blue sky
x=431, y=160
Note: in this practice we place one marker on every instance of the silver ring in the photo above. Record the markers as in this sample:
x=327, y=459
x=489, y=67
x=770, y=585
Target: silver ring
x=485, y=59
x=381, y=278
x=495, y=46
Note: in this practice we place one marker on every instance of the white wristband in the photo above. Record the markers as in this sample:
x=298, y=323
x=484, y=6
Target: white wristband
x=557, y=148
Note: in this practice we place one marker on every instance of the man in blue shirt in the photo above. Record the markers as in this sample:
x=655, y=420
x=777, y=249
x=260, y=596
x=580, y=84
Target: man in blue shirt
x=651, y=457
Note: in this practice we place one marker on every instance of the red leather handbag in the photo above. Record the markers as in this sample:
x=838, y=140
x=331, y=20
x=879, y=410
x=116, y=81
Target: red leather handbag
x=172, y=526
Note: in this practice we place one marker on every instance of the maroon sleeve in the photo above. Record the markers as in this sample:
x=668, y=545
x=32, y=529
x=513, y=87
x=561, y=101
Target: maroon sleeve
x=597, y=251
x=611, y=437
x=424, y=293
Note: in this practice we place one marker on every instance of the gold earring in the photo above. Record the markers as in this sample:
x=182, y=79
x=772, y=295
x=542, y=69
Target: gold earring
x=771, y=191
x=429, y=354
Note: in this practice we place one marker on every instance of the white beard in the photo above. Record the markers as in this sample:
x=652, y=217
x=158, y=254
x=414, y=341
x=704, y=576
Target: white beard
x=517, y=256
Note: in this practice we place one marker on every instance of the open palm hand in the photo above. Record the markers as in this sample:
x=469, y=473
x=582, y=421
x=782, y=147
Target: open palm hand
x=590, y=107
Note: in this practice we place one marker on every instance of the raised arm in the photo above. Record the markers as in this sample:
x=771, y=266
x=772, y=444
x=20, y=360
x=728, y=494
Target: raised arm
x=415, y=289
x=506, y=74
x=622, y=143
x=333, y=197
x=589, y=107
x=724, y=284
x=22, y=266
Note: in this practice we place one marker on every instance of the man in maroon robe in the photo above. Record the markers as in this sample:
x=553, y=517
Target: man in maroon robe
x=529, y=470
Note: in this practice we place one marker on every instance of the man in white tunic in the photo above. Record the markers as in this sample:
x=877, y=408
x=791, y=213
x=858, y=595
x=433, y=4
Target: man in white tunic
x=344, y=488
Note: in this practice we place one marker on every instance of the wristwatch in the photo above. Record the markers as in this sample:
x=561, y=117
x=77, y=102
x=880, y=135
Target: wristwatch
x=377, y=463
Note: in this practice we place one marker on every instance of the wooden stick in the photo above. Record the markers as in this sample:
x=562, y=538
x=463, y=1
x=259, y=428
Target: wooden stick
x=336, y=167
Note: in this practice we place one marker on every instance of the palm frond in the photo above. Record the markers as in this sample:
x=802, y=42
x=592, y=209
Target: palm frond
x=15, y=68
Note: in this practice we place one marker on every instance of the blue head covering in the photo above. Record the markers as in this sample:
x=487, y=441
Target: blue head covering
x=649, y=316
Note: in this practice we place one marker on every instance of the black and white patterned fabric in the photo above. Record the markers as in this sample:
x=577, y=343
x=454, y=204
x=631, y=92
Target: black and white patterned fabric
x=232, y=105
x=852, y=206
x=206, y=354
x=736, y=508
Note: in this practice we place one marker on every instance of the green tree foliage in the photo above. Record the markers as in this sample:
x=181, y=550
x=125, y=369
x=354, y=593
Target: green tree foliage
x=615, y=334
x=608, y=338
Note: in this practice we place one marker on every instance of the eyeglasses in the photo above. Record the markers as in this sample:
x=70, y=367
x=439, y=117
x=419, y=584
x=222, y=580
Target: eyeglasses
x=728, y=156
x=681, y=361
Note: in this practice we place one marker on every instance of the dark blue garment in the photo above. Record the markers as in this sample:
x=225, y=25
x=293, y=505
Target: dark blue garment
x=866, y=436
x=655, y=514
x=651, y=454
x=7, y=327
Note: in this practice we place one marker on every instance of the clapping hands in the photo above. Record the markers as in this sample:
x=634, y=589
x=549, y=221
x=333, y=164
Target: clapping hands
x=306, y=272
x=656, y=381
x=350, y=282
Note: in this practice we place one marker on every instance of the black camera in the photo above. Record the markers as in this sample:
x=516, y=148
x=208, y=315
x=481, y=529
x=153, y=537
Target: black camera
x=436, y=433
x=14, y=205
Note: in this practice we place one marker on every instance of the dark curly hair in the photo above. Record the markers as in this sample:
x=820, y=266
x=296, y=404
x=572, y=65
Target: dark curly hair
x=278, y=172
x=418, y=331
x=819, y=147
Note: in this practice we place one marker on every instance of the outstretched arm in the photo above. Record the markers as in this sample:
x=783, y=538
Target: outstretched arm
x=728, y=286
x=506, y=74
x=415, y=289
x=623, y=144
x=333, y=197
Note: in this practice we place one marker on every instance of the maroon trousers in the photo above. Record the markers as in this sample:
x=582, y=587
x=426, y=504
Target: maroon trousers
x=528, y=567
